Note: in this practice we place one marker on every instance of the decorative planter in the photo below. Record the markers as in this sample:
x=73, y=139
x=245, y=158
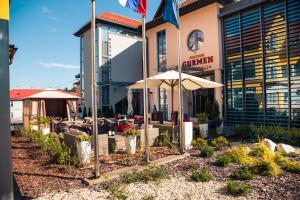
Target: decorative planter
x=221, y=128
x=188, y=135
x=84, y=150
x=130, y=143
x=34, y=127
x=46, y=131
x=203, y=130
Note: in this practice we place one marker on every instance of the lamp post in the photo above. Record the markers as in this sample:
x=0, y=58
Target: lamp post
x=6, y=180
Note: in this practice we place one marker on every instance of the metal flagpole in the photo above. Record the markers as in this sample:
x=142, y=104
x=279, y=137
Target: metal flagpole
x=94, y=94
x=6, y=180
x=180, y=85
x=147, y=150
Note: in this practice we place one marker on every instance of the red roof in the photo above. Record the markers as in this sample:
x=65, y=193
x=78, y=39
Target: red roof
x=118, y=19
x=19, y=94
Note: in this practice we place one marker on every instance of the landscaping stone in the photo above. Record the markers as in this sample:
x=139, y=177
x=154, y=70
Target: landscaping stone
x=285, y=148
x=270, y=144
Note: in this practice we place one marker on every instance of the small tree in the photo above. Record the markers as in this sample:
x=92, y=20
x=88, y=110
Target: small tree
x=215, y=112
x=208, y=107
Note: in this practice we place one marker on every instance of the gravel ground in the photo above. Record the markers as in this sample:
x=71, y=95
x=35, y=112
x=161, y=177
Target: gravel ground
x=176, y=188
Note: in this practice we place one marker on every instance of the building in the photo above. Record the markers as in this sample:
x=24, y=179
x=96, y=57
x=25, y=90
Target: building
x=201, y=52
x=16, y=105
x=252, y=47
x=261, y=41
x=118, y=62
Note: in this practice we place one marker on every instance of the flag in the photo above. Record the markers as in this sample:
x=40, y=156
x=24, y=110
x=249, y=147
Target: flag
x=139, y=6
x=171, y=12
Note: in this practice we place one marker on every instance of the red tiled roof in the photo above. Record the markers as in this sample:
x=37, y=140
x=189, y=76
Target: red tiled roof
x=118, y=19
x=19, y=94
x=187, y=2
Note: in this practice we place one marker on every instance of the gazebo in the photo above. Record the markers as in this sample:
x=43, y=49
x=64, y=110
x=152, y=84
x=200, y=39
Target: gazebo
x=49, y=103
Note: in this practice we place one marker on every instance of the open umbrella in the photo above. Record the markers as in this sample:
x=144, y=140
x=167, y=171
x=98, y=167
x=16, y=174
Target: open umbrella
x=170, y=80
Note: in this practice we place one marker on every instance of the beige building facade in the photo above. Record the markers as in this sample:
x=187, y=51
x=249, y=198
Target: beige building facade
x=201, y=53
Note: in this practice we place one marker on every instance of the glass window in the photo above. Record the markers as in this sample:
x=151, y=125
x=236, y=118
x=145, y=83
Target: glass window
x=105, y=95
x=161, y=50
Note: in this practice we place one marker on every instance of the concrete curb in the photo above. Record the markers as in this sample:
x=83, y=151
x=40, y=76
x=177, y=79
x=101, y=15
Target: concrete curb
x=137, y=168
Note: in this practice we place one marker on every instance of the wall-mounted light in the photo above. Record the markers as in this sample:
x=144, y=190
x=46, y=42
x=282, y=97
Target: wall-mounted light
x=12, y=51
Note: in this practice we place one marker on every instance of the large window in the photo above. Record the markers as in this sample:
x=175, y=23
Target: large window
x=262, y=72
x=161, y=50
x=161, y=66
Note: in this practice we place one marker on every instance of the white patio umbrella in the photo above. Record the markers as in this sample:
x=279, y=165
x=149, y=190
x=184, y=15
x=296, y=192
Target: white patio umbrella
x=170, y=80
x=129, y=99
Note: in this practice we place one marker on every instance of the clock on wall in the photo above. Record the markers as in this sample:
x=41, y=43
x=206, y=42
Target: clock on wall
x=195, y=40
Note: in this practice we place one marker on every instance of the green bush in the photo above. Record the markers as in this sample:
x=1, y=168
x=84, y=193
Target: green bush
x=219, y=142
x=207, y=152
x=291, y=154
x=152, y=174
x=223, y=160
x=239, y=155
x=199, y=143
x=243, y=174
x=164, y=139
x=59, y=154
x=266, y=167
x=260, y=150
x=292, y=167
x=294, y=136
x=201, y=176
x=82, y=138
x=235, y=188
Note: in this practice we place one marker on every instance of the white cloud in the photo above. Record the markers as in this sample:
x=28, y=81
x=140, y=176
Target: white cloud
x=57, y=65
x=49, y=13
x=45, y=9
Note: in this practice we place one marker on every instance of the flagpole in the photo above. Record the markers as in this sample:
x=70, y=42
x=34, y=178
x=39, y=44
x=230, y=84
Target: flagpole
x=145, y=74
x=94, y=94
x=180, y=85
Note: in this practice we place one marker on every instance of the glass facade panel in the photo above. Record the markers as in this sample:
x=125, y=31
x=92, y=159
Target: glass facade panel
x=262, y=64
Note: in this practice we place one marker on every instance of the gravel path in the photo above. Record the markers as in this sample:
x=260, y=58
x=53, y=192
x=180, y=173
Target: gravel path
x=176, y=188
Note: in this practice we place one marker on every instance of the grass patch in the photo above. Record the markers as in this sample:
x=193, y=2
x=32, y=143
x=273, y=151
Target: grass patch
x=207, y=152
x=117, y=191
x=223, y=160
x=152, y=174
x=236, y=189
x=243, y=174
x=201, y=176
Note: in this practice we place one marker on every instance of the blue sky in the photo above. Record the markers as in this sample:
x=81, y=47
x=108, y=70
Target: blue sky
x=48, y=54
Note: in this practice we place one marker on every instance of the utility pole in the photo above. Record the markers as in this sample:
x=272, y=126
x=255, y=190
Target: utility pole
x=94, y=87
x=6, y=180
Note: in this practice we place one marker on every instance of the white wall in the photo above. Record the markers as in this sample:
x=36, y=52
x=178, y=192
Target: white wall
x=16, y=112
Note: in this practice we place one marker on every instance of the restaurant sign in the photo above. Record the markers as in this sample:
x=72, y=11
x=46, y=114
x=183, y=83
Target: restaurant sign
x=200, y=60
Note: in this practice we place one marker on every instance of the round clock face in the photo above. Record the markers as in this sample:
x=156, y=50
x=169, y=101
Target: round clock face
x=195, y=40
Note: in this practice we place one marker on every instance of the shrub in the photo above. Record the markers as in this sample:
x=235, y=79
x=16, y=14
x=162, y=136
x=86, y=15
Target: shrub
x=294, y=136
x=266, y=168
x=152, y=174
x=223, y=160
x=239, y=155
x=82, y=138
x=243, y=174
x=199, y=143
x=292, y=167
x=220, y=142
x=235, y=188
x=202, y=118
x=201, y=176
x=260, y=150
x=59, y=154
x=164, y=139
x=291, y=154
x=207, y=152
